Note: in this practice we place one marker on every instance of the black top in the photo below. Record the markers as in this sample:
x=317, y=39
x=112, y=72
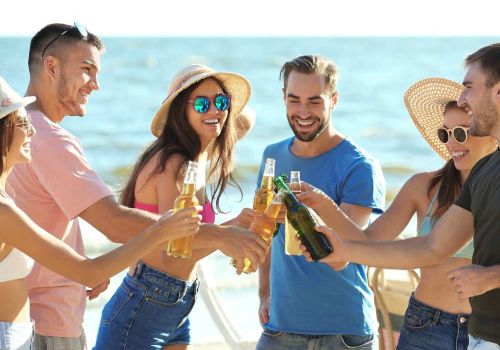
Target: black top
x=481, y=196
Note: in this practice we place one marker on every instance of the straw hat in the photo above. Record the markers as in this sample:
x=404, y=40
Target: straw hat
x=10, y=100
x=426, y=100
x=236, y=86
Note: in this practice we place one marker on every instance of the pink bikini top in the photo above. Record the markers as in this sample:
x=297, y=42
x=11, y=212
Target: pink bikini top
x=207, y=214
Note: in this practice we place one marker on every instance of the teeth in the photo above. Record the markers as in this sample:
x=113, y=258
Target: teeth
x=305, y=123
x=211, y=121
x=458, y=154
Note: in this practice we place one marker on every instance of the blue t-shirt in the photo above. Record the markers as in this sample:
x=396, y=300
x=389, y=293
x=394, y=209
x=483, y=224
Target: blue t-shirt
x=312, y=298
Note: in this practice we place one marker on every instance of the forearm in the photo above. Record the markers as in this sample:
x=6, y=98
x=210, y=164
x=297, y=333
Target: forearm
x=341, y=223
x=209, y=237
x=404, y=254
x=493, y=277
x=126, y=223
x=264, y=273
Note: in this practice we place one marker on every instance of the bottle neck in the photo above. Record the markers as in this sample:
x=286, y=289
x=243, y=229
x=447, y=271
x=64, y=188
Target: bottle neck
x=290, y=200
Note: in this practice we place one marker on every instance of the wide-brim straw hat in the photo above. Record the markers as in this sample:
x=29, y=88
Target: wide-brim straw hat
x=426, y=101
x=235, y=85
x=10, y=100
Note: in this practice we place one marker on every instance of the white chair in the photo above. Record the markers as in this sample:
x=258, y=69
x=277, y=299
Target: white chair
x=216, y=310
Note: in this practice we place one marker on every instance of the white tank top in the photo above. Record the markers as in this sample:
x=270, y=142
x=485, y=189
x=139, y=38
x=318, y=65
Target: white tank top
x=15, y=266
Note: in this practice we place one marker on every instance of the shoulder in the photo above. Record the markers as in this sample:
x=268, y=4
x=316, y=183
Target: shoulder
x=419, y=183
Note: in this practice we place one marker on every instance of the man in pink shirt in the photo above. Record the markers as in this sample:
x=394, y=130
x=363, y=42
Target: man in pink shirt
x=58, y=186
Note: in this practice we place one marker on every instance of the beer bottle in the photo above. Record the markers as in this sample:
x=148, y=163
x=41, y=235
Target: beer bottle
x=264, y=224
x=303, y=222
x=292, y=244
x=181, y=247
x=265, y=193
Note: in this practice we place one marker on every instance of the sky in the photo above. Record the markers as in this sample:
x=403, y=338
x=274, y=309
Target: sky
x=257, y=17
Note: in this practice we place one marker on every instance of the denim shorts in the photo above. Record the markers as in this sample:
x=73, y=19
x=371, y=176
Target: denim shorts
x=273, y=340
x=148, y=311
x=425, y=327
x=16, y=335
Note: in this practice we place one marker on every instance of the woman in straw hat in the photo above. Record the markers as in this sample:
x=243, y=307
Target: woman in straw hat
x=196, y=122
x=21, y=240
x=437, y=316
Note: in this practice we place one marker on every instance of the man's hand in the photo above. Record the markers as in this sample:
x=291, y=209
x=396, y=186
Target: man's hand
x=336, y=260
x=470, y=280
x=244, y=218
x=264, y=310
x=97, y=290
x=239, y=243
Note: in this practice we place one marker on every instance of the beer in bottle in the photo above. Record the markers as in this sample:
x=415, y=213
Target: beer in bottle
x=181, y=247
x=264, y=224
x=264, y=194
x=292, y=244
x=303, y=222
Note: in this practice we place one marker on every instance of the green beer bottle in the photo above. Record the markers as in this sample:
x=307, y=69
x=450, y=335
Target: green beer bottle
x=303, y=222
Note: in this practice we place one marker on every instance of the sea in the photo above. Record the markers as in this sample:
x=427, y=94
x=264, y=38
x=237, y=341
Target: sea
x=375, y=72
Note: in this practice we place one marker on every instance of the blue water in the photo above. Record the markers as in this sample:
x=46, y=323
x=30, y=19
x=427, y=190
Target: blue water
x=374, y=74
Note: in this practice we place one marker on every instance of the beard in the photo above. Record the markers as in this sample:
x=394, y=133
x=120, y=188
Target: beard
x=484, y=118
x=311, y=135
x=69, y=105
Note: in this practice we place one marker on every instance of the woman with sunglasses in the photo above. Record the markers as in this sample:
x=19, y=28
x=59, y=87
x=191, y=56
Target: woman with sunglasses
x=437, y=316
x=21, y=240
x=196, y=122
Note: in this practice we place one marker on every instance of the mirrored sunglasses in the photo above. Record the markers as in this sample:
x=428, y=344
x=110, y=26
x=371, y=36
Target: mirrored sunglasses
x=76, y=26
x=459, y=133
x=201, y=104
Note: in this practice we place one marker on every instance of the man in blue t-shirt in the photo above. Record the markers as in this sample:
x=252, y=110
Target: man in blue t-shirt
x=305, y=305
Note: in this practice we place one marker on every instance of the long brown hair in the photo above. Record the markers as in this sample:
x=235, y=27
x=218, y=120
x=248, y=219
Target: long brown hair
x=7, y=125
x=178, y=137
x=448, y=178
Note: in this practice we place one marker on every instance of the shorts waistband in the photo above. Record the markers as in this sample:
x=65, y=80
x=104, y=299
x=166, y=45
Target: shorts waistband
x=152, y=275
x=437, y=314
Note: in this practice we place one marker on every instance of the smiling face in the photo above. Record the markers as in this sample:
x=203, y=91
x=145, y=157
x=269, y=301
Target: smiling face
x=207, y=126
x=477, y=99
x=19, y=150
x=308, y=105
x=76, y=78
x=466, y=155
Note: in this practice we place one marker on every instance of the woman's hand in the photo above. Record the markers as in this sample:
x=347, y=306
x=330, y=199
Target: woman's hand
x=314, y=198
x=183, y=223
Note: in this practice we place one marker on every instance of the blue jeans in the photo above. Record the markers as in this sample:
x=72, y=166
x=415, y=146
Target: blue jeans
x=425, y=327
x=272, y=340
x=148, y=311
x=481, y=344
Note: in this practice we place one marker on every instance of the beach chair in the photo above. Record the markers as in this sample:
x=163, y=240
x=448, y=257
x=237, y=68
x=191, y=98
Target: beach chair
x=392, y=290
x=209, y=294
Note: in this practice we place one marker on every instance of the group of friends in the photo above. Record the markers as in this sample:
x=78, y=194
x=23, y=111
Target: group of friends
x=46, y=184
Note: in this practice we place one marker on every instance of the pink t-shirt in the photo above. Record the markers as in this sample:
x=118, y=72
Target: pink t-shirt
x=53, y=189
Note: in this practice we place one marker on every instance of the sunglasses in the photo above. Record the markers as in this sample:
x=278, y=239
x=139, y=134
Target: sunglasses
x=201, y=104
x=23, y=123
x=76, y=26
x=459, y=133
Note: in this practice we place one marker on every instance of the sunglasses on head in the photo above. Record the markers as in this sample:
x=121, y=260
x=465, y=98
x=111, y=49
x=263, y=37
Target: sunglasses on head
x=201, y=104
x=76, y=26
x=459, y=133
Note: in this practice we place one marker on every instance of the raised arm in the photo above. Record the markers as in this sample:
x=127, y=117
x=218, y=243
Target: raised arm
x=386, y=227
x=453, y=230
x=17, y=230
